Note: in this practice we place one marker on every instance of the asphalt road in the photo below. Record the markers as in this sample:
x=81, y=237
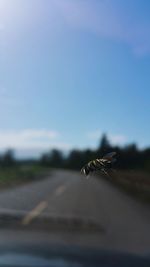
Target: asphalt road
x=124, y=223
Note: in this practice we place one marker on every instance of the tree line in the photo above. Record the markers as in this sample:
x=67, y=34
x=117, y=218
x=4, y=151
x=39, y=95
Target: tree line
x=128, y=157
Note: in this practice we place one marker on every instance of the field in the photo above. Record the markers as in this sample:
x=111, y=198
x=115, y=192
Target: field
x=136, y=183
x=19, y=174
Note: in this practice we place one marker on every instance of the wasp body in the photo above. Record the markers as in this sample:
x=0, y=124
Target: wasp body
x=104, y=164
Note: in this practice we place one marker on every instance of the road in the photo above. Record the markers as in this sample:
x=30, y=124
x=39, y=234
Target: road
x=124, y=223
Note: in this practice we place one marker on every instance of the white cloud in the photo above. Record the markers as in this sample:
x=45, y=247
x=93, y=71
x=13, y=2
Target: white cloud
x=94, y=135
x=107, y=20
x=117, y=139
x=31, y=139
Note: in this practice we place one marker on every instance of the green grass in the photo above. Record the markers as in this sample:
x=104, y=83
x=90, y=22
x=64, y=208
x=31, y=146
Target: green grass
x=12, y=176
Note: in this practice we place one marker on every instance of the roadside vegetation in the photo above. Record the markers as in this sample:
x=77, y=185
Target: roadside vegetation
x=13, y=172
x=135, y=183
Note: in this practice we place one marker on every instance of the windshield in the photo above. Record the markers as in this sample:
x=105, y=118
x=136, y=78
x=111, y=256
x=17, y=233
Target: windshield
x=74, y=123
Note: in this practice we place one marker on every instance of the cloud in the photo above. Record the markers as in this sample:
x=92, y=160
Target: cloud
x=115, y=139
x=94, y=135
x=106, y=19
x=31, y=139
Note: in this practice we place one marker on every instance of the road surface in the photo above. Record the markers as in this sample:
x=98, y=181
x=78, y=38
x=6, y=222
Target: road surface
x=124, y=223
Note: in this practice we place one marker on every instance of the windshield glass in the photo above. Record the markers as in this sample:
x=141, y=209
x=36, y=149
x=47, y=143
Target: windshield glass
x=74, y=123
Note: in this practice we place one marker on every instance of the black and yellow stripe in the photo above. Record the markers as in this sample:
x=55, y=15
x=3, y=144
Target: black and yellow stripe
x=98, y=164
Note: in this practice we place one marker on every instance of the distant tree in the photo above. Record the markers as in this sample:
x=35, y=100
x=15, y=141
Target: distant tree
x=145, y=158
x=52, y=159
x=8, y=158
x=45, y=159
x=129, y=157
x=75, y=159
x=104, y=146
x=88, y=155
x=56, y=158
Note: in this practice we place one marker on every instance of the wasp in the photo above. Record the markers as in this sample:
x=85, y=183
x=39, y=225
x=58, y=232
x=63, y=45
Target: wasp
x=103, y=164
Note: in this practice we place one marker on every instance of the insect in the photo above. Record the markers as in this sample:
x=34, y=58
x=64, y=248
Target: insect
x=104, y=164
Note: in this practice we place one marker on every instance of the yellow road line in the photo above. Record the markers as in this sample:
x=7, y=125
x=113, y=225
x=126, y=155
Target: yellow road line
x=34, y=213
x=40, y=207
x=60, y=190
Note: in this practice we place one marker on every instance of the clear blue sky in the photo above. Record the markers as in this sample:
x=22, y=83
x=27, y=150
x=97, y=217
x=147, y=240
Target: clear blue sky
x=71, y=70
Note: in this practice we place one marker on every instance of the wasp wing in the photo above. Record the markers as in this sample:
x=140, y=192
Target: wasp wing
x=110, y=156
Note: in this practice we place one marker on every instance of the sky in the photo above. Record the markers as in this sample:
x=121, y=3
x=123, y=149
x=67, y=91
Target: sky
x=71, y=70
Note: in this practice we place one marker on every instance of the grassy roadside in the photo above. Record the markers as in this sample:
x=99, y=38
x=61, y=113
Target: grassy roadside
x=20, y=174
x=135, y=183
